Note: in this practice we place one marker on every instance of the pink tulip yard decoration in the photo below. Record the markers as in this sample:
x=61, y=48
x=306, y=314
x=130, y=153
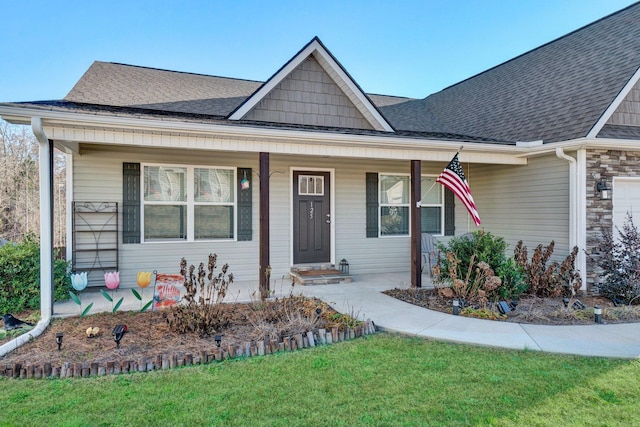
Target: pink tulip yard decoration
x=112, y=281
x=144, y=280
x=79, y=282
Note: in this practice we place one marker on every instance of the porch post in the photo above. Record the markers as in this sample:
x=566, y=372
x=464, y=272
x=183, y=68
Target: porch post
x=265, y=268
x=416, y=226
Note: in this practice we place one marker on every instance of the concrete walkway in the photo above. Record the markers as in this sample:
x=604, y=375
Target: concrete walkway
x=363, y=298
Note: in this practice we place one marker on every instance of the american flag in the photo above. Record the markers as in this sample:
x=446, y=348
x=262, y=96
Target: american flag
x=453, y=178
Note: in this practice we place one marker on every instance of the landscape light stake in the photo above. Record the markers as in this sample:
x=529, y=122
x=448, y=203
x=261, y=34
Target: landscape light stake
x=218, y=339
x=597, y=312
x=456, y=307
x=118, y=332
x=59, y=336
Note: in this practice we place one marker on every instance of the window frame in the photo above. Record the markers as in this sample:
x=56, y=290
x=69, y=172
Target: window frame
x=434, y=205
x=190, y=203
x=440, y=205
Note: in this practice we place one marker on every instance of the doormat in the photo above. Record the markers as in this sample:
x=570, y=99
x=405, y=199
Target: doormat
x=324, y=272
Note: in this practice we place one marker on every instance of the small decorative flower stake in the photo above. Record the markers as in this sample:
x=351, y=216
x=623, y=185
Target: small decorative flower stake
x=144, y=280
x=112, y=281
x=79, y=282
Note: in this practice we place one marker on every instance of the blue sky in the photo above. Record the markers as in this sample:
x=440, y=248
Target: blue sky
x=405, y=48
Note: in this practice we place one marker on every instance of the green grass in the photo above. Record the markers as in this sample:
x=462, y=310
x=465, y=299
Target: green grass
x=381, y=380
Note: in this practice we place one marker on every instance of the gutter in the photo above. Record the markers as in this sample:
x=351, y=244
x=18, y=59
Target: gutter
x=575, y=231
x=46, y=246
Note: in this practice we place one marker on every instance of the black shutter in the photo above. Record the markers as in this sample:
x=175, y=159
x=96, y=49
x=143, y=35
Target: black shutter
x=244, y=205
x=449, y=213
x=372, y=204
x=131, y=203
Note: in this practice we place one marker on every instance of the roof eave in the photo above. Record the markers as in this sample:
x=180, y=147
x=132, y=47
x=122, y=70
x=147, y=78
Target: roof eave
x=429, y=149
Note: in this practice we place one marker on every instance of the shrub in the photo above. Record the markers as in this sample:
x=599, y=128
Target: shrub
x=201, y=311
x=20, y=276
x=620, y=263
x=480, y=247
x=514, y=281
x=551, y=280
x=477, y=290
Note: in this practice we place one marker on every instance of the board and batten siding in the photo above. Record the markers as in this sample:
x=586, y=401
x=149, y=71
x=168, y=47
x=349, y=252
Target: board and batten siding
x=528, y=203
x=98, y=177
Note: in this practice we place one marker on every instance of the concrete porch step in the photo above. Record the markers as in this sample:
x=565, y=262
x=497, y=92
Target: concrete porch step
x=320, y=274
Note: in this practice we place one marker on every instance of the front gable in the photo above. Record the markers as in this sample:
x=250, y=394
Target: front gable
x=312, y=89
x=628, y=112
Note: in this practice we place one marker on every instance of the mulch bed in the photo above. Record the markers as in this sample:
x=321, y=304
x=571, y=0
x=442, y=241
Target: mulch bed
x=149, y=344
x=530, y=309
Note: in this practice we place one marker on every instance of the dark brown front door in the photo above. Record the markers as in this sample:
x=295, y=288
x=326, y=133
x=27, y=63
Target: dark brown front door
x=311, y=217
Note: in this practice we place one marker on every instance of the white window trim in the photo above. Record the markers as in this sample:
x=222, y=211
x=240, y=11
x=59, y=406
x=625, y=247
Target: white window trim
x=381, y=205
x=441, y=205
x=190, y=203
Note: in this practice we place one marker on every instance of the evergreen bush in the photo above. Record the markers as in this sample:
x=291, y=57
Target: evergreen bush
x=478, y=247
x=20, y=276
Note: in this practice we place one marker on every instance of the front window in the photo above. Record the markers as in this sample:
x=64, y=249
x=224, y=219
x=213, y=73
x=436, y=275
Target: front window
x=432, y=202
x=188, y=203
x=395, y=203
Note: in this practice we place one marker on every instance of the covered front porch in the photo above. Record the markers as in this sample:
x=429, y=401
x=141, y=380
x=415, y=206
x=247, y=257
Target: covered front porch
x=241, y=291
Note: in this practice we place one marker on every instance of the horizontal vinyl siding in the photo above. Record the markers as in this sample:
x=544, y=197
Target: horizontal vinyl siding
x=98, y=177
x=516, y=202
x=528, y=203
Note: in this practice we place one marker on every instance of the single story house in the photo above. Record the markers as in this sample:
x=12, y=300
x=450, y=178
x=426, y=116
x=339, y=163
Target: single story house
x=308, y=169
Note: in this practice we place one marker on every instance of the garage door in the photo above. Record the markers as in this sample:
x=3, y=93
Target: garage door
x=626, y=198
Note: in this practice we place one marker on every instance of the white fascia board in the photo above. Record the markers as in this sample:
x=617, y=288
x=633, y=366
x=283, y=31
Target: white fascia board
x=614, y=105
x=587, y=143
x=315, y=47
x=475, y=152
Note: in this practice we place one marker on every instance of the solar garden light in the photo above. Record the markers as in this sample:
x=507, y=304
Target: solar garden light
x=118, y=332
x=456, y=307
x=59, y=336
x=218, y=339
x=597, y=314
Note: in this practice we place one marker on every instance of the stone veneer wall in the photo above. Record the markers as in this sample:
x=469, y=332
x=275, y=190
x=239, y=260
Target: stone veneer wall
x=600, y=163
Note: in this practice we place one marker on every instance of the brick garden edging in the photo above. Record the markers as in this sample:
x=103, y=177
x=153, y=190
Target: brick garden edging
x=170, y=361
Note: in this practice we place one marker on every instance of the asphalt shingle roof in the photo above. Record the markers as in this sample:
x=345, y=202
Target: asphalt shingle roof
x=555, y=92
x=106, y=83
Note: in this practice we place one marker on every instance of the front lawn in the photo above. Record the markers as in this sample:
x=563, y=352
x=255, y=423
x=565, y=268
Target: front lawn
x=379, y=380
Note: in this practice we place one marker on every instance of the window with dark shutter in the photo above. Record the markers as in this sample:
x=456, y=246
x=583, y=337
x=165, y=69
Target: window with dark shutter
x=245, y=184
x=372, y=204
x=449, y=213
x=131, y=203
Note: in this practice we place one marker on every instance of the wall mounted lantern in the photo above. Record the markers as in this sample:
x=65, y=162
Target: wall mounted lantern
x=604, y=189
